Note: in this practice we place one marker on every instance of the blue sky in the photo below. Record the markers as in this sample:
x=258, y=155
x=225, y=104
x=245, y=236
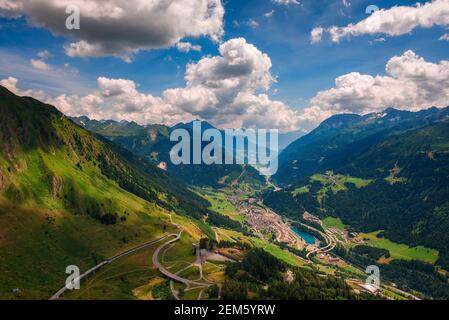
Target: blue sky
x=301, y=68
x=304, y=68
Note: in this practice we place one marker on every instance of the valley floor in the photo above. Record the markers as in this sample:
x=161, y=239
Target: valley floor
x=174, y=266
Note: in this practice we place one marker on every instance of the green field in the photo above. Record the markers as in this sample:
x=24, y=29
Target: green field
x=194, y=294
x=394, y=178
x=179, y=255
x=269, y=247
x=230, y=235
x=301, y=190
x=335, y=183
x=221, y=205
x=400, y=251
x=191, y=273
x=277, y=251
x=45, y=241
x=120, y=279
x=210, y=267
x=333, y=223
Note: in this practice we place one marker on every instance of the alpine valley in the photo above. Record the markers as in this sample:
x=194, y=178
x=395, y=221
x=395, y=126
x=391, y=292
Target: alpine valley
x=103, y=196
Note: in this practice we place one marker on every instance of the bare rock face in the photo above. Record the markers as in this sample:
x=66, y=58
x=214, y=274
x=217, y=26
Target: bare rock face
x=8, y=150
x=163, y=166
x=152, y=134
x=2, y=181
x=57, y=186
x=289, y=277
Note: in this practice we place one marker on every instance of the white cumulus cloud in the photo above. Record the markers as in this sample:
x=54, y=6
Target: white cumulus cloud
x=222, y=89
x=410, y=83
x=229, y=90
x=187, y=47
x=43, y=54
x=396, y=21
x=444, y=37
x=40, y=65
x=122, y=27
x=11, y=83
x=286, y=2
x=119, y=99
x=269, y=14
x=316, y=35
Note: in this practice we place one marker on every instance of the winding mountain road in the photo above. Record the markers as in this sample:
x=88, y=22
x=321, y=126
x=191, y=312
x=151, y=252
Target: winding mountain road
x=169, y=274
x=331, y=242
x=61, y=291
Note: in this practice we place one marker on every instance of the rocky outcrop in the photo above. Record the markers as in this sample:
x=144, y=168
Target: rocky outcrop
x=2, y=181
x=152, y=135
x=163, y=166
x=57, y=186
x=8, y=151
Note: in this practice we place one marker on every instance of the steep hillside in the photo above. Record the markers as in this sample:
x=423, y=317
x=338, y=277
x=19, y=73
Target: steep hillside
x=375, y=176
x=341, y=138
x=409, y=195
x=67, y=198
x=138, y=139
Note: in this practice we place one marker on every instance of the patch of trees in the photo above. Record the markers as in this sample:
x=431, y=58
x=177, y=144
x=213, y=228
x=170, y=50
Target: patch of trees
x=234, y=290
x=262, y=275
x=162, y=291
x=230, y=244
x=407, y=275
x=213, y=291
x=283, y=202
x=300, y=253
x=205, y=243
x=108, y=219
x=219, y=220
x=415, y=214
x=419, y=276
x=371, y=252
x=138, y=176
x=262, y=265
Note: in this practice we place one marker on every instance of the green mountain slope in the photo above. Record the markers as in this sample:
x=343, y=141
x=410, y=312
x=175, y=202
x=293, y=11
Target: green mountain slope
x=385, y=175
x=341, y=138
x=408, y=197
x=376, y=177
x=67, y=198
x=140, y=140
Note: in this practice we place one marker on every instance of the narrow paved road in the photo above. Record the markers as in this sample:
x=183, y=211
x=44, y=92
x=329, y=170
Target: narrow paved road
x=167, y=273
x=58, y=294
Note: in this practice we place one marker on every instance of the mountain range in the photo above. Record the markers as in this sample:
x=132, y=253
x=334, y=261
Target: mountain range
x=72, y=197
x=67, y=196
x=384, y=172
x=76, y=190
x=152, y=143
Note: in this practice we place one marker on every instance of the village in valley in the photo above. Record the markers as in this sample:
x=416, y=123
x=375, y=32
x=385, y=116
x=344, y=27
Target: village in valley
x=289, y=235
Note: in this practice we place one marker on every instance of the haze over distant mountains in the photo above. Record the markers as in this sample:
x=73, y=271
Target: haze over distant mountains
x=113, y=128
x=152, y=143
